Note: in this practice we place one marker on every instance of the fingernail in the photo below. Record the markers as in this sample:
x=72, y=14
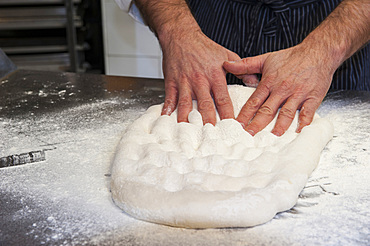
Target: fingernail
x=299, y=127
x=277, y=133
x=251, y=132
x=234, y=61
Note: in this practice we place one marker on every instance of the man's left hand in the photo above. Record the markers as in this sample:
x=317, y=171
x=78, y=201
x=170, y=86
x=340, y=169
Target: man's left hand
x=294, y=79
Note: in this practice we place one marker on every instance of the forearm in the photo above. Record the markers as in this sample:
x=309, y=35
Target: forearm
x=343, y=32
x=168, y=18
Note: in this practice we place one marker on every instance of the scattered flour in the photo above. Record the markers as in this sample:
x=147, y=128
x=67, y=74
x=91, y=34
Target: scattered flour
x=65, y=200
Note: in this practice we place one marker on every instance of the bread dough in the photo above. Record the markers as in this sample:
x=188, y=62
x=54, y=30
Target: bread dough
x=195, y=176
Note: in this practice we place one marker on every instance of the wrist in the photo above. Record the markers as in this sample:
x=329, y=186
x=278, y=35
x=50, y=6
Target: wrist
x=169, y=19
x=179, y=28
x=330, y=54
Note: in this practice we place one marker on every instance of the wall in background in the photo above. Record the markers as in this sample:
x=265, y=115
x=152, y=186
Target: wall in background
x=130, y=48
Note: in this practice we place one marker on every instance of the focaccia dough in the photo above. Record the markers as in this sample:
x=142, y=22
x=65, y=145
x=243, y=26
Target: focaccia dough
x=195, y=176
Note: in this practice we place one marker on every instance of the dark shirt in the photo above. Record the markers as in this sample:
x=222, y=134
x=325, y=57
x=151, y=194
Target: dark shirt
x=254, y=27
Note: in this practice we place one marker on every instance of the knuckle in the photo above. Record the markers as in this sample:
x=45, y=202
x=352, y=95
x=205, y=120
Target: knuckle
x=270, y=79
x=304, y=118
x=287, y=112
x=171, y=86
x=286, y=85
x=222, y=101
x=184, y=103
x=243, y=115
x=204, y=105
x=253, y=103
x=169, y=102
x=183, y=76
x=246, y=61
x=306, y=113
x=169, y=80
x=215, y=71
x=266, y=110
x=197, y=76
x=265, y=86
x=299, y=92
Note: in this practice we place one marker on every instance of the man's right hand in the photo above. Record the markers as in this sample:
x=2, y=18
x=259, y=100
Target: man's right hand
x=192, y=67
x=192, y=63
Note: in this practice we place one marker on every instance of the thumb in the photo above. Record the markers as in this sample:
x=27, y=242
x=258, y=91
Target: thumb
x=249, y=65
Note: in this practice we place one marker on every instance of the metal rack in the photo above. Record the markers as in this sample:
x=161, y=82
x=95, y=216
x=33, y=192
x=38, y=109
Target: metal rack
x=43, y=34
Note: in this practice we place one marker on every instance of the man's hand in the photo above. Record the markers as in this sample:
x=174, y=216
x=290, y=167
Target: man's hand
x=192, y=67
x=192, y=63
x=295, y=78
x=299, y=77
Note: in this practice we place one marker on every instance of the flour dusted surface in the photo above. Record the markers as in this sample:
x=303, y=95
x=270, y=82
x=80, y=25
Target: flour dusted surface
x=190, y=175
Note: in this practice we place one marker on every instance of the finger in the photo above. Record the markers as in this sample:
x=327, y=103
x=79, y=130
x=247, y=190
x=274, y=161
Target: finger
x=185, y=103
x=265, y=114
x=250, y=65
x=222, y=100
x=253, y=104
x=249, y=80
x=171, y=97
x=286, y=116
x=307, y=113
x=205, y=103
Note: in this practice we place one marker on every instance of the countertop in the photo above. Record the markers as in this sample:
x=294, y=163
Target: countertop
x=65, y=128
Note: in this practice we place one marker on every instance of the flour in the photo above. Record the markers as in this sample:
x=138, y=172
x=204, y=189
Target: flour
x=190, y=175
x=72, y=185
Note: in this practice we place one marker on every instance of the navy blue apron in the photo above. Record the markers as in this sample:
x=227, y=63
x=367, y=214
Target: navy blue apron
x=254, y=27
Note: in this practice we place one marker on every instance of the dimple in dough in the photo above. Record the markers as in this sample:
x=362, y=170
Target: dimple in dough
x=195, y=176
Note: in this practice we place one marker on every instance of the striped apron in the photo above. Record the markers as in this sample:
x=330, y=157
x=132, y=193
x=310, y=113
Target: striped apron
x=254, y=27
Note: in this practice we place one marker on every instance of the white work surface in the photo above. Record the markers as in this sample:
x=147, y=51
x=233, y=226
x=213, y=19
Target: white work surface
x=65, y=200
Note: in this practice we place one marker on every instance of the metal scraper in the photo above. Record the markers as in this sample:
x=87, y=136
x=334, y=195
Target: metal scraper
x=24, y=158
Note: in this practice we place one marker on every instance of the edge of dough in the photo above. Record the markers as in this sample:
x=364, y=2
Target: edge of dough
x=194, y=208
